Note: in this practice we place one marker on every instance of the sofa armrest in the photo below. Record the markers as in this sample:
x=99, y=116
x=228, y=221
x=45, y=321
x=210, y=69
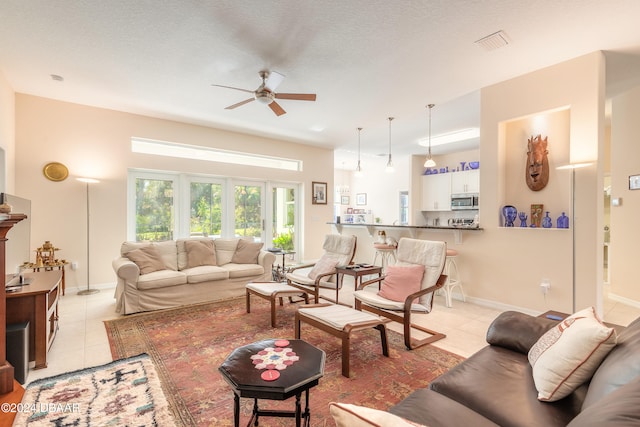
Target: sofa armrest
x=266, y=260
x=517, y=331
x=126, y=269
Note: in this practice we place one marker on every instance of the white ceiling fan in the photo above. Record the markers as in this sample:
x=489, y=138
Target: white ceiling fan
x=266, y=94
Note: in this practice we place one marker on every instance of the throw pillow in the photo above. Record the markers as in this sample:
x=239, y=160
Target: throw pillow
x=567, y=355
x=246, y=252
x=401, y=281
x=325, y=265
x=348, y=415
x=147, y=259
x=200, y=252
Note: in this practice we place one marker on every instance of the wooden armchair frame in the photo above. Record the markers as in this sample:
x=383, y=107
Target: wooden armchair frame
x=405, y=317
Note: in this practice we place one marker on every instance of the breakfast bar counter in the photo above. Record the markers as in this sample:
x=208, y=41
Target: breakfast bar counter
x=413, y=229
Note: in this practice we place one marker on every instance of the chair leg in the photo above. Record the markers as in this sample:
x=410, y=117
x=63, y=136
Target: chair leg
x=296, y=326
x=412, y=343
x=248, y=303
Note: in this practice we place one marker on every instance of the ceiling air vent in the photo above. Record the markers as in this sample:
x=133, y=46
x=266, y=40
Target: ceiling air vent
x=493, y=41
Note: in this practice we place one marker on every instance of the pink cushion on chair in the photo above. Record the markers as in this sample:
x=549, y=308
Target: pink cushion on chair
x=401, y=281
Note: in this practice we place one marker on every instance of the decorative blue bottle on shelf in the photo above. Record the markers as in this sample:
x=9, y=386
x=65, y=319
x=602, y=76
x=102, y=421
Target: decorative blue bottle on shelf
x=510, y=213
x=563, y=221
x=546, y=221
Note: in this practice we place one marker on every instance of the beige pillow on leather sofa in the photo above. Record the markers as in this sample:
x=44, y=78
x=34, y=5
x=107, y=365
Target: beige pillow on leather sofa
x=567, y=355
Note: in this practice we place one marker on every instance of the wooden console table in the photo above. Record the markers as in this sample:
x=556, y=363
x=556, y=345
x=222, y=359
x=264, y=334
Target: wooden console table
x=37, y=303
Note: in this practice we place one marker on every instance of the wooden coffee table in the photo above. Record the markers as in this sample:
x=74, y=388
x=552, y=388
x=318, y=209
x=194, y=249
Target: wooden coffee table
x=240, y=372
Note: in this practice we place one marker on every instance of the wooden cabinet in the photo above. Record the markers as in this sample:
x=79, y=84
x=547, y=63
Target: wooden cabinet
x=37, y=304
x=436, y=192
x=467, y=181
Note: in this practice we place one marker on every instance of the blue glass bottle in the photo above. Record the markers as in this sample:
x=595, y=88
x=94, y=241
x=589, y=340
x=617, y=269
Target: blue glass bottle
x=546, y=221
x=563, y=221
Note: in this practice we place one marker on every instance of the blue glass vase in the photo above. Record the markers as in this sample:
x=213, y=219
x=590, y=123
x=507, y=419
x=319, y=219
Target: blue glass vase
x=563, y=221
x=510, y=213
x=546, y=221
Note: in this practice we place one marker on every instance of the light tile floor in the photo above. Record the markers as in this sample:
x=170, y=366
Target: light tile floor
x=82, y=340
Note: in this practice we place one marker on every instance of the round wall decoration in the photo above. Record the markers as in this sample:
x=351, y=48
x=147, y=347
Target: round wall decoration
x=55, y=171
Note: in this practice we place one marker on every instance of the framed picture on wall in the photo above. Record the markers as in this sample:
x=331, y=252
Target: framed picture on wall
x=319, y=190
x=361, y=199
x=344, y=200
x=634, y=182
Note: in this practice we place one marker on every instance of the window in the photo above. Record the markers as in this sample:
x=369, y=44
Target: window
x=167, y=206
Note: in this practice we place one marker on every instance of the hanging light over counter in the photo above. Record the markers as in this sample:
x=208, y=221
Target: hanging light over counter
x=389, y=168
x=429, y=162
x=358, y=168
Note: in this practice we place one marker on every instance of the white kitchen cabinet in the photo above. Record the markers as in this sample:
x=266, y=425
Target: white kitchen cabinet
x=436, y=192
x=467, y=181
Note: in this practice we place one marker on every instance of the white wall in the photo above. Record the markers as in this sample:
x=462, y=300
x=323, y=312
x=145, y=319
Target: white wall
x=625, y=228
x=95, y=142
x=7, y=136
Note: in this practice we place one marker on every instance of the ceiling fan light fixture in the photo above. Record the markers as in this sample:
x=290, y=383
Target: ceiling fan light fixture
x=429, y=162
x=264, y=97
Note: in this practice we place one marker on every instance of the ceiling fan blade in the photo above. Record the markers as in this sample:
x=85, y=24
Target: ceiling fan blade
x=276, y=108
x=235, y=88
x=297, y=96
x=246, y=101
x=273, y=81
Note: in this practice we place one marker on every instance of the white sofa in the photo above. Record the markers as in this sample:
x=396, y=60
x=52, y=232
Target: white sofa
x=177, y=282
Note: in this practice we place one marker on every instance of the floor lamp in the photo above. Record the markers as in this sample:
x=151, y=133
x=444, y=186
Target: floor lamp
x=573, y=168
x=88, y=291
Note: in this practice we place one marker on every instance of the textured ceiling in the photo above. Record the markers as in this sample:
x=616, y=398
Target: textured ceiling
x=365, y=59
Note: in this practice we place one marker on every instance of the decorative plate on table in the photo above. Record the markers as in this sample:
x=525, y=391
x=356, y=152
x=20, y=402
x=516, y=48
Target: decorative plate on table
x=55, y=171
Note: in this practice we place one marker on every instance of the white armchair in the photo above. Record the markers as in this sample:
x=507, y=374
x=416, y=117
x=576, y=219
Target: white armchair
x=411, y=252
x=338, y=250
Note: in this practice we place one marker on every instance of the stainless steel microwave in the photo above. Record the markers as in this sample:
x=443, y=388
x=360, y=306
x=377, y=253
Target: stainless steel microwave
x=461, y=202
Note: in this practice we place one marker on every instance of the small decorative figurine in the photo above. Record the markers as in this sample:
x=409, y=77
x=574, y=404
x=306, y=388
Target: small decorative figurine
x=546, y=221
x=537, y=169
x=523, y=218
x=563, y=221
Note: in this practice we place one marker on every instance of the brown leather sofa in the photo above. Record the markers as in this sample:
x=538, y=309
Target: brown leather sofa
x=495, y=387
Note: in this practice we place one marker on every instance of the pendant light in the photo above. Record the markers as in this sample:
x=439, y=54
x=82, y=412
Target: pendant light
x=389, y=167
x=429, y=162
x=358, y=168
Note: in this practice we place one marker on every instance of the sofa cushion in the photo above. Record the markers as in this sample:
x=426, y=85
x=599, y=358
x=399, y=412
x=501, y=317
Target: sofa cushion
x=166, y=249
x=161, y=279
x=246, y=252
x=568, y=354
x=206, y=273
x=348, y=415
x=434, y=409
x=497, y=383
x=620, y=366
x=225, y=248
x=147, y=259
x=243, y=270
x=619, y=408
x=517, y=331
x=200, y=252
x=401, y=281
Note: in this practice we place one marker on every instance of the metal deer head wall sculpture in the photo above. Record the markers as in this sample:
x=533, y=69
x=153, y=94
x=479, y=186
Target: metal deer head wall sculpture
x=537, y=170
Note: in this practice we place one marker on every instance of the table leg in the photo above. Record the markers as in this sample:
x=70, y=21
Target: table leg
x=298, y=410
x=236, y=410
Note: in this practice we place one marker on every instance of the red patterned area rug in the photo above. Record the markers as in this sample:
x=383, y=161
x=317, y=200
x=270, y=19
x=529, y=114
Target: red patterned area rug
x=188, y=344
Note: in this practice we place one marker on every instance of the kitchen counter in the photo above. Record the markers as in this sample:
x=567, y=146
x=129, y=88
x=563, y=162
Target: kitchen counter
x=413, y=229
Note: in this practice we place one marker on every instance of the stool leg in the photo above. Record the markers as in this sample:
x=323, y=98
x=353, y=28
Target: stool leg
x=383, y=339
x=273, y=309
x=346, y=339
x=248, y=303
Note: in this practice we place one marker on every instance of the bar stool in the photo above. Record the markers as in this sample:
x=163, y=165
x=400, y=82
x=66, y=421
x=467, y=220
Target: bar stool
x=386, y=252
x=453, y=277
